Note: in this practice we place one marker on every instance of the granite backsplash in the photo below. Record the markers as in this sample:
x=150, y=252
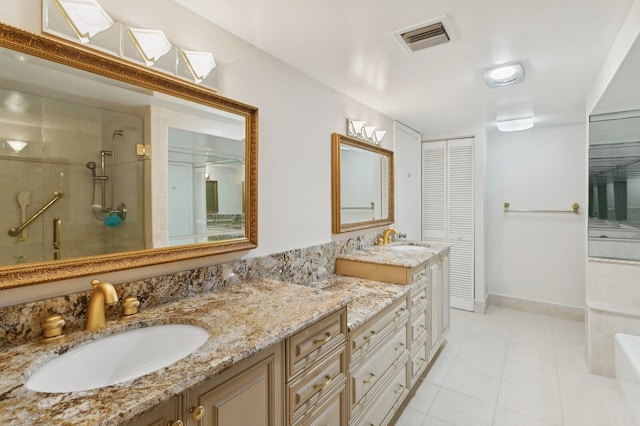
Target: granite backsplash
x=21, y=323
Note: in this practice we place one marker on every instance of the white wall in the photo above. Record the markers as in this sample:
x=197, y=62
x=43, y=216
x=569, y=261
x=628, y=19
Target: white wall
x=537, y=256
x=296, y=118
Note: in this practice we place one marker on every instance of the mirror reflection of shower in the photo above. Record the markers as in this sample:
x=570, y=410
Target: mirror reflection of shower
x=104, y=211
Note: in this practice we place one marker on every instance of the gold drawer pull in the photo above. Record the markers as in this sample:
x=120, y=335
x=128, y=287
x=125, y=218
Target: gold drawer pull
x=325, y=340
x=400, y=346
x=423, y=360
x=401, y=389
x=197, y=413
x=423, y=298
x=421, y=327
x=370, y=336
x=371, y=379
x=176, y=423
x=321, y=386
x=400, y=311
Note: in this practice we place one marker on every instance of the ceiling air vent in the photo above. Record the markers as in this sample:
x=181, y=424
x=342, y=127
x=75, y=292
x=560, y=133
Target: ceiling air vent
x=424, y=37
x=425, y=34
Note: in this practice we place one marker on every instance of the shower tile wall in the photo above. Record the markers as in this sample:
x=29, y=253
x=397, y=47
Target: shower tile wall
x=62, y=137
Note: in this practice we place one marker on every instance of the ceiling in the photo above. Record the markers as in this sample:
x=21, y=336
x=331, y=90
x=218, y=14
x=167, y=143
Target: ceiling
x=348, y=46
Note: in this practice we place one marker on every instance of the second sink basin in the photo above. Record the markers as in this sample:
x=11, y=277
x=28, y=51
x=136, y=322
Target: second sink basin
x=408, y=247
x=118, y=358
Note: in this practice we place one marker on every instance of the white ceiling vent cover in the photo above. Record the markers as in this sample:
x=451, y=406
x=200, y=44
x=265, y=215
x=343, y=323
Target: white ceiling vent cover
x=425, y=34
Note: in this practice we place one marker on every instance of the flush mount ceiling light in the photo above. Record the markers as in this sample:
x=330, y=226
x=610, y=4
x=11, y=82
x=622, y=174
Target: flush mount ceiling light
x=17, y=146
x=86, y=17
x=200, y=64
x=515, y=125
x=151, y=44
x=504, y=75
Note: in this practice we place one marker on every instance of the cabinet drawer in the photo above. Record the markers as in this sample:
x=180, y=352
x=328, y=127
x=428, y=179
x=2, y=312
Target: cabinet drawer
x=375, y=330
x=419, y=361
x=314, y=342
x=419, y=273
x=382, y=408
x=325, y=378
x=418, y=327
x=330, y=413
x=418, y=297
x=365, y=376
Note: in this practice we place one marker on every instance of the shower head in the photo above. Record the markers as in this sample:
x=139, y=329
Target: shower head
x=118, y=133
x=92, y=166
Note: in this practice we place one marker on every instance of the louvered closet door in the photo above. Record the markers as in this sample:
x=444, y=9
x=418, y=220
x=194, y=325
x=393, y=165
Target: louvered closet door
x=460, y=221
x=434, y=191
x=447, y=210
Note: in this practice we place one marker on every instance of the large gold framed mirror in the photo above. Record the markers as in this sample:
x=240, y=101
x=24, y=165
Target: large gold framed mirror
x=112, y=161
x=362, y=184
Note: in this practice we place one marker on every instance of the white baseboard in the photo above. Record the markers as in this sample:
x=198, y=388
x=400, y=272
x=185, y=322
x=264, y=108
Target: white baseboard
x=537, y=307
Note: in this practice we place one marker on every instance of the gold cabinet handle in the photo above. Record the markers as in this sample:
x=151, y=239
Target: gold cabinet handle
x=401, y=389
x=321, y=386
x=176, y=423
x=400, y=346
x=400, y=311
x=325, y=340
x=370, y=336
x=372, y=378
x=197, y=413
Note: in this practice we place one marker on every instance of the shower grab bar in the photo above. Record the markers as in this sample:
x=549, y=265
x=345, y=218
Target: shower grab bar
x=14, y=232
x=574, y=209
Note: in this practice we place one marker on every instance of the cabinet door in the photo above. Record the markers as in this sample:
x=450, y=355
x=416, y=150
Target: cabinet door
x=436, y=308
x=163, y=415
x=444, y=279
x=249, y=397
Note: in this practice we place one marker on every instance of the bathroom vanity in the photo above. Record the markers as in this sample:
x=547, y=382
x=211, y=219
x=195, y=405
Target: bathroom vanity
x=341, y=351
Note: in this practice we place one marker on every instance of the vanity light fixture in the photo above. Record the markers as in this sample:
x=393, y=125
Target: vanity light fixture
x=200, y=64
x=515, y=125
x=86, y=17
x=17, y=146
x=504, y=75
x=354, y=127
x=367, y=131
x=151, y=44
x=378, y=135
x=359, y=129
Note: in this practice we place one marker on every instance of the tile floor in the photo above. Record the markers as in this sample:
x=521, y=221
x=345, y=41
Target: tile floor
x=513, y=368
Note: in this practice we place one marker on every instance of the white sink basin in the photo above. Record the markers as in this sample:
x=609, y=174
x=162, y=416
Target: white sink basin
x=409, y=248
x=117, y=358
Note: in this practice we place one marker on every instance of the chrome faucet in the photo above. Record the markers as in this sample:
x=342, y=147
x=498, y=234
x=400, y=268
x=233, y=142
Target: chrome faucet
x=386, y=235
x=103, y=293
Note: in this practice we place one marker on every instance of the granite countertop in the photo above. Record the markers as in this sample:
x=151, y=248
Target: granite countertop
x=407, y=253
x=242, y=320
x=368, y=297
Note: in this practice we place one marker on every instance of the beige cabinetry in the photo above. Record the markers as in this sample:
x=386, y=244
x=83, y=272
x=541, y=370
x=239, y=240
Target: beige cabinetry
x=378, y=362
x=167, y=414
x=439, y=318
x=250, y=393
x=316, y=373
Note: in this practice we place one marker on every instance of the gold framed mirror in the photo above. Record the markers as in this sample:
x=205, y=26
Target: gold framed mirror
x=175, y=103
x=362, y=184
